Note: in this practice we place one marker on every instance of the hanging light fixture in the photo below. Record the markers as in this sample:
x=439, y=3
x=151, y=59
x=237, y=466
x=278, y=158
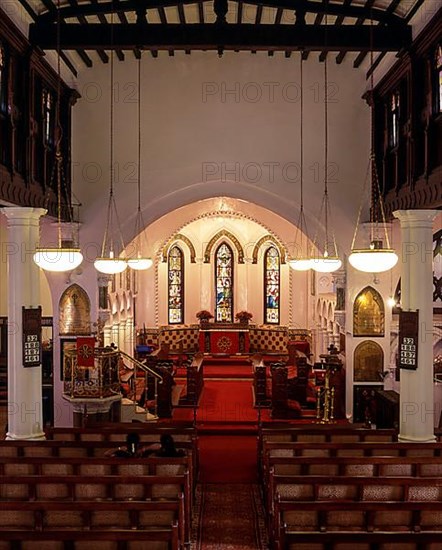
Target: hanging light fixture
x=375, y=258
x=66, y=256
x=139, y=263
x=329, y=261
x=109, y=261
x=301, y=263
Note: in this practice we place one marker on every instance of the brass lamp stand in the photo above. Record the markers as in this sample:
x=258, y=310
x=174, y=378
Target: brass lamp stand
x=325, y=400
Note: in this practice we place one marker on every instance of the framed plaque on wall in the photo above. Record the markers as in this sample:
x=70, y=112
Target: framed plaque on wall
x=31, y=318
x=408, y=339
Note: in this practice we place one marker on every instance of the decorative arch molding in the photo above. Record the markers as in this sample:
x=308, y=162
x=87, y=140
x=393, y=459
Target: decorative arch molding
x=185, y=240
x=268, y=239
x=369, y=313
x=74, y=311
x=220, y=235
x=368, y=361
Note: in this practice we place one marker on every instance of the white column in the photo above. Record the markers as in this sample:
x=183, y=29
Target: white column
x=416, y=394
x=25, y=413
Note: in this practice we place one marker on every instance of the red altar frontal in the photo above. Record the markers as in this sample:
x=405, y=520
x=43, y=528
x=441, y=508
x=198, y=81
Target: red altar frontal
x=229, y=341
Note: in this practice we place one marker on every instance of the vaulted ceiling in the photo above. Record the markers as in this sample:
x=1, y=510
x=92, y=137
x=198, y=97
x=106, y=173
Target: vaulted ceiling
x=91, y=28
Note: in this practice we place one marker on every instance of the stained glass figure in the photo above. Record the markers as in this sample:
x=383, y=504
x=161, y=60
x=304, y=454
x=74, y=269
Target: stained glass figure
x=176, y=286
x=224, y=283
x=271, y=285
x=47, y=108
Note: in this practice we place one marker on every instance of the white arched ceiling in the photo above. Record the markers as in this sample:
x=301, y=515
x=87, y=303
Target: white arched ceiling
x=213, y=127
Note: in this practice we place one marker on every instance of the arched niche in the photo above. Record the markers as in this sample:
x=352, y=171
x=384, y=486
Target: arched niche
x=368, y=313
x=220, y=235
x=75, y=311
x=172, y=242
x=274, y=242
x=368, y=362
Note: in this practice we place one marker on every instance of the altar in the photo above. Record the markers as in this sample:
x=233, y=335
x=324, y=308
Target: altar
x=224, y=338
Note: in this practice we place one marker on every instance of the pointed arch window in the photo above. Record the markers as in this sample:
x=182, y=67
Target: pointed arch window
x=271, y=285
x=224, y=283
x=2, y=71
x=368, y=313
x=48, y=123
x=175, y=286
x=394, y=113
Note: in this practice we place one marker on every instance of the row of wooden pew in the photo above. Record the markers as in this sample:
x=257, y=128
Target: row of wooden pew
x=336, y=488
x=63, y=493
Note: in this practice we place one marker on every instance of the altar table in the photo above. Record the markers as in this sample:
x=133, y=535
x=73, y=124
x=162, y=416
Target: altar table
x=227, y=341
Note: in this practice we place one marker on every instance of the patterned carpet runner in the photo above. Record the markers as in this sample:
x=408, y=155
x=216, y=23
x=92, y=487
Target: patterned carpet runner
x=229, y=517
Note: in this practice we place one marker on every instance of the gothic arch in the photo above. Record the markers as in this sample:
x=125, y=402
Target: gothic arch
x=223, y=234
x=368, y=313
x=75, y=311
x=368, y=361
x=179, y=237
x=274, y=242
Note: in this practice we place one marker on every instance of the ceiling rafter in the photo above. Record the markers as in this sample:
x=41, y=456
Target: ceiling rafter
x=355, y=11
x=244, y=37
x=82, y=19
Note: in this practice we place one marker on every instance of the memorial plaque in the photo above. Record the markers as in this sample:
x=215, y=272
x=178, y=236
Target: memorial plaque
x=408, y=339
x=31, y=318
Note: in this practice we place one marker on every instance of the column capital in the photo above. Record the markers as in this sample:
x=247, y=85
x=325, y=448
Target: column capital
x=23, y=212
x=420, y=218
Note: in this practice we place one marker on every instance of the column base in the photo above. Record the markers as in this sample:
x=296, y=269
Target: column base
x=31, y=437
x=409, y=439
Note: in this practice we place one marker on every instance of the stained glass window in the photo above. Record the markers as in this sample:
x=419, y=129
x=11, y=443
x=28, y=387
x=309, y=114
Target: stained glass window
x=47, y=108
x=394, y=119
x=438, y=67
x=2, y=65
x=224, y=283
x=176, y=285
x=2, y=79
x=271, y=285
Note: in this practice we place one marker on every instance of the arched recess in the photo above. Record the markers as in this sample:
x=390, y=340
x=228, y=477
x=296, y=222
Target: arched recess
x=272, y=240
x=220, y=235
x=368, y=361
x=75, y=311
x=184, y=239
x=368, y=313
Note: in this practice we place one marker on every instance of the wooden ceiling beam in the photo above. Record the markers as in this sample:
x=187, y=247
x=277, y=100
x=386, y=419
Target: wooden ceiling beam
x=308, y=6
x=210, y=36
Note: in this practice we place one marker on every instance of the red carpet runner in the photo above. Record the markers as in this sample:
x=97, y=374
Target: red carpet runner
x=230, y=517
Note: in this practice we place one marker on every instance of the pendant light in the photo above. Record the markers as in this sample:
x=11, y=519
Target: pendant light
x=66, y=256
x=139, y=263
x=301, y=263
x=109, y=261
x=329, y=261
x=375, y=258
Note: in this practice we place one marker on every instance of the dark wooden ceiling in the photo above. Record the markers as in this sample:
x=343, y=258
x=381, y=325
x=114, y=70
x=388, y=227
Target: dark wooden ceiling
x=339, y=26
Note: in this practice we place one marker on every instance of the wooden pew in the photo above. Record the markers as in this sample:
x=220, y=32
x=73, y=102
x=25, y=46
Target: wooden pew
x=46, y=468
x=304, y=502
x=262, y=399
x=361, y=541
x=119, y=489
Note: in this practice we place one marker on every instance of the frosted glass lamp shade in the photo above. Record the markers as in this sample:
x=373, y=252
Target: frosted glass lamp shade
x=301, y=264
x=110, y=265
x=140, y=264
x=58, y=259
x=375, y=259
x=326, y=264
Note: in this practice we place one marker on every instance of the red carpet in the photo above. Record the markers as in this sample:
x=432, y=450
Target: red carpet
x=229, y=517
x=228, y=458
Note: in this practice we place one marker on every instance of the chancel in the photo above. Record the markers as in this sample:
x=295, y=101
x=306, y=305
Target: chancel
x=221, y=237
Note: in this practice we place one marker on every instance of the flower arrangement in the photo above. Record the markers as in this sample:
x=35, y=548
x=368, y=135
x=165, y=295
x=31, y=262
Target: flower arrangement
x=243, y=316
x=204, y=315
